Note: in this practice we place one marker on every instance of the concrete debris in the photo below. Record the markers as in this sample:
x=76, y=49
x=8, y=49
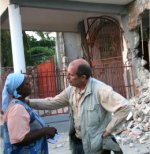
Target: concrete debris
x=143, y=139
x=137, y=126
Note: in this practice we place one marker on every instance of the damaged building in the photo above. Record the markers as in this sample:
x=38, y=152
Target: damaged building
x=138, y=128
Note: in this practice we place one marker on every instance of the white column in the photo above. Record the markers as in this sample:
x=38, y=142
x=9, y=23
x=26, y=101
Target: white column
x=16, y=38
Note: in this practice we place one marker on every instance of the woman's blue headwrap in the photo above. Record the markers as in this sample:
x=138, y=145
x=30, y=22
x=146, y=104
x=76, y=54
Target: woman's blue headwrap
x=13, y=81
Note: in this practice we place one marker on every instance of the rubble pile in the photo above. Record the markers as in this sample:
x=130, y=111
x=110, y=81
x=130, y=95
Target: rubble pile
x=137, y=127
x=140, y=123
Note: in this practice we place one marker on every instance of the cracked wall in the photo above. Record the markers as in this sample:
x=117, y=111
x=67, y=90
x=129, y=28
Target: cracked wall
x=135, y=9
x=131, y=24
x=138, y=128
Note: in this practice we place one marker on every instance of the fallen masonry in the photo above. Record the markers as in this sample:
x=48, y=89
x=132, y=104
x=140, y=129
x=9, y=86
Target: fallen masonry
x=135, y=133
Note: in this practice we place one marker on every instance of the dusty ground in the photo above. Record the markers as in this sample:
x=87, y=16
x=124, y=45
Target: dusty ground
x=61, y=147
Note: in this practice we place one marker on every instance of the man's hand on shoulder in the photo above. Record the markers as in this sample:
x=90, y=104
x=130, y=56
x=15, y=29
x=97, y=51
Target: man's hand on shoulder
x=27, y=101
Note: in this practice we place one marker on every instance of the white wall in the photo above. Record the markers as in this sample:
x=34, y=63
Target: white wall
x=3, y=6
x=72, y=43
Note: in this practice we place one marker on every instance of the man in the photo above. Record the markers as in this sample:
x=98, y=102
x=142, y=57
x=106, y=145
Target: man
x=91, y=106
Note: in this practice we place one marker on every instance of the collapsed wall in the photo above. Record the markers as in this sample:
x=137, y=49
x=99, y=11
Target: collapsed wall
x=137, y=126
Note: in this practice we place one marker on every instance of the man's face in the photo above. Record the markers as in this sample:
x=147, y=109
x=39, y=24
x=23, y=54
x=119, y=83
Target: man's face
x=72, y=77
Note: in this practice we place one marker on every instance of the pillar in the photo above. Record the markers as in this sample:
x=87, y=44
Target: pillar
x=16, y=38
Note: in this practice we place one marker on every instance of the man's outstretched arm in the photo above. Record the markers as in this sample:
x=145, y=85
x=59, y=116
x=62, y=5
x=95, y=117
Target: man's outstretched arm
x=50, y=103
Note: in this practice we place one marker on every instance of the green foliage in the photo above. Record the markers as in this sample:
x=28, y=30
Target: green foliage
x=40, y=54
x=35, y=51
x=6, y=51
x=26, y=48
x=33, y=42
x=40, y=51
x=41, y=35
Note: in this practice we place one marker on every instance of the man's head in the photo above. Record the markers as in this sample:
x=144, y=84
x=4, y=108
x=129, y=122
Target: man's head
x=78, y=73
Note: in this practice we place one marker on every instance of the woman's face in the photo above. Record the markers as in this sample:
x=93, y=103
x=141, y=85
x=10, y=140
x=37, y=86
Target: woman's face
x=24, y=89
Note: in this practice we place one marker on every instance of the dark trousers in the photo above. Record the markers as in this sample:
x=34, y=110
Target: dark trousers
x=79, y=147
x=115, y=152
x=109, y=152
x=78, y=144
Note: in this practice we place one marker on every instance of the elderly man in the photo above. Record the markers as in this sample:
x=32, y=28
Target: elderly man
x=91, y=103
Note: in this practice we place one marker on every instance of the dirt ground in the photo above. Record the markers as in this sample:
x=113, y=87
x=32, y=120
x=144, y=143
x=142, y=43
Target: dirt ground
x=61, y=147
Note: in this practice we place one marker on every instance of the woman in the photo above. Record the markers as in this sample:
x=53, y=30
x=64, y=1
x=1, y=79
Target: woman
x=24, y=131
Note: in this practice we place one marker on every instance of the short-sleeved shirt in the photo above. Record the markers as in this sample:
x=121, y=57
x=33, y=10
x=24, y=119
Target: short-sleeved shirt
x=18, y=122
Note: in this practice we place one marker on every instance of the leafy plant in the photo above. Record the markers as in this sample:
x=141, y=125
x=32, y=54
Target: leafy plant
x=40, y=54
x=36, y=51
x=6, y=51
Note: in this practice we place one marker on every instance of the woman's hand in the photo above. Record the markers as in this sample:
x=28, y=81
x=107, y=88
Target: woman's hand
x=32, y=136
x=50, y=132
